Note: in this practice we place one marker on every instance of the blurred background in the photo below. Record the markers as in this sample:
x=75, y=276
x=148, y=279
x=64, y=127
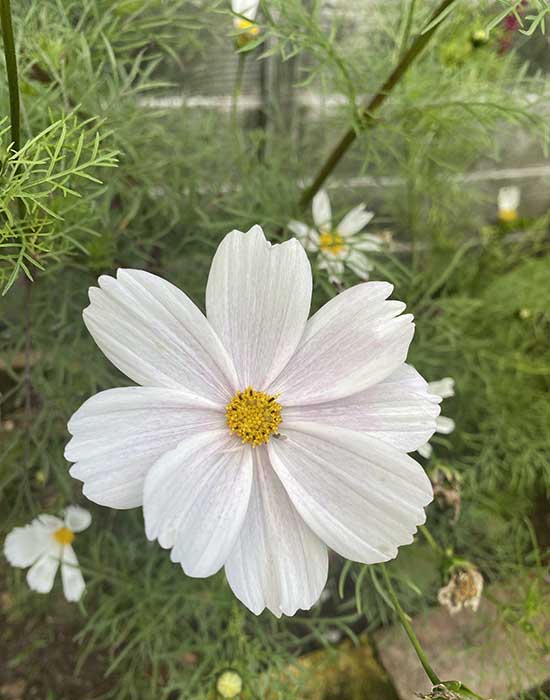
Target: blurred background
x=152, y=128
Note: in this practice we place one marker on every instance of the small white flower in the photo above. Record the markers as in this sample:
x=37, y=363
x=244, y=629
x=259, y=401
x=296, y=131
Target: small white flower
x=245, y=24
x=508, y=203
x=443, y=388
x=463, y=590
x=44, y=545
x=341, y=246
x=258, y=438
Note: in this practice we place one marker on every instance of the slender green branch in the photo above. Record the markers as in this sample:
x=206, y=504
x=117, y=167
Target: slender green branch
x=377, y=101
x=237, y=89
x=11, y=68
x=407, y=29
x=429, y=538
x=404, y=620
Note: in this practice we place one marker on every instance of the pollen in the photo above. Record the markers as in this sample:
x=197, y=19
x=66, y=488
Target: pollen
x=64, y=535
x=331, y=242
x=254, y=416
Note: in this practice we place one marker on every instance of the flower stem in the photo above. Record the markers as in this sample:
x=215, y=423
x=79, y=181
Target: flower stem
x=367, y=114
x=408, y=26
x=11, y=68
x=237, y=88
x=429, y=538
x=404, y=620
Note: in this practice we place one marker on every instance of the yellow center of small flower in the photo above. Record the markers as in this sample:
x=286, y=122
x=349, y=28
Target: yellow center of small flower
x=253, y=415
x=64, y=535
x=508, y=215
x=331, y=242
x=248, y=26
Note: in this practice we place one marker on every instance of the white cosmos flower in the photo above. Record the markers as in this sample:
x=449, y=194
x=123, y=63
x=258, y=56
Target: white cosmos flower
x=338, y=246
x=44, y=545
x=257, y=437
x=508, y=203
x=443, y=388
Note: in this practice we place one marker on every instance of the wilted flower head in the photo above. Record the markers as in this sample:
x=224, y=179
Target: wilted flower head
x=229, y=684
x=446, y=486
x=463, y=590
x=340, y=246
x=44, y=545
x=508, y=203
x=440, y=692
x=245, y=24
x=443, y=388
x=258, y=438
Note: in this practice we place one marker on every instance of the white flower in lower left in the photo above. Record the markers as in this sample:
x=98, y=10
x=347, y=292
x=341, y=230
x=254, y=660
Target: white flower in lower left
x=45, y=544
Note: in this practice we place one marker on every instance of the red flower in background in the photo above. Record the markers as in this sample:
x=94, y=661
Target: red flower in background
x=510, y=26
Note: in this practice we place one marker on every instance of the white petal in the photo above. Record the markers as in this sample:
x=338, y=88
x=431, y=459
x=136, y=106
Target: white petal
x=119, y=434
x=77, y=519
x=355, y=341
x=321, y=210
x=195, y=500
x=41, y=575
x=444, y=425
x=247, y=8
x=425, y=450
x=73, y=581
x=360, y=264
x=354, y=221
x=444, y=387
x=307, y=236
x=367, y=243
x=49, y=523
x=361, y=496
x=509, y=198
x=156, y=335
x=334, y=268
x=277, y=562
x=399, y=410
x=257, y=299
x=23, y=545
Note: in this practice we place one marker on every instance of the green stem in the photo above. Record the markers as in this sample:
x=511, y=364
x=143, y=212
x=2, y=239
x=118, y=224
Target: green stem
x=237, y=89
x=404, y=620
x=429, y=538
x=11, y=68
x=376, y=102
x=408, y=26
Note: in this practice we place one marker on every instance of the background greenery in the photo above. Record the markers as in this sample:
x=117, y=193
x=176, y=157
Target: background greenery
x=111, y=175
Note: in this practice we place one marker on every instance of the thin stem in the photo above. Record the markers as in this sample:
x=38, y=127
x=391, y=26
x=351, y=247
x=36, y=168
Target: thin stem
x=237, y=89
x=376, y=102
x=11, y=68
x=404, y=620
x=408, y=26
x=429, y=538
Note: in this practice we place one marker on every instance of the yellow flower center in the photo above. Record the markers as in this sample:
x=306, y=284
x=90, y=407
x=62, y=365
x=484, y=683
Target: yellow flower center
x=253, y=415
x=64, y=535
x=508, y=215
x=248, y=26
x=331, y=242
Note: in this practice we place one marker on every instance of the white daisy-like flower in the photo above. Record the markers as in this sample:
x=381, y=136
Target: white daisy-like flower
x=44, y=545
x=341, y=246
x=508, y=203
x=463, y=590
x=245, y=24
x=258, y=438
x=444, y=389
